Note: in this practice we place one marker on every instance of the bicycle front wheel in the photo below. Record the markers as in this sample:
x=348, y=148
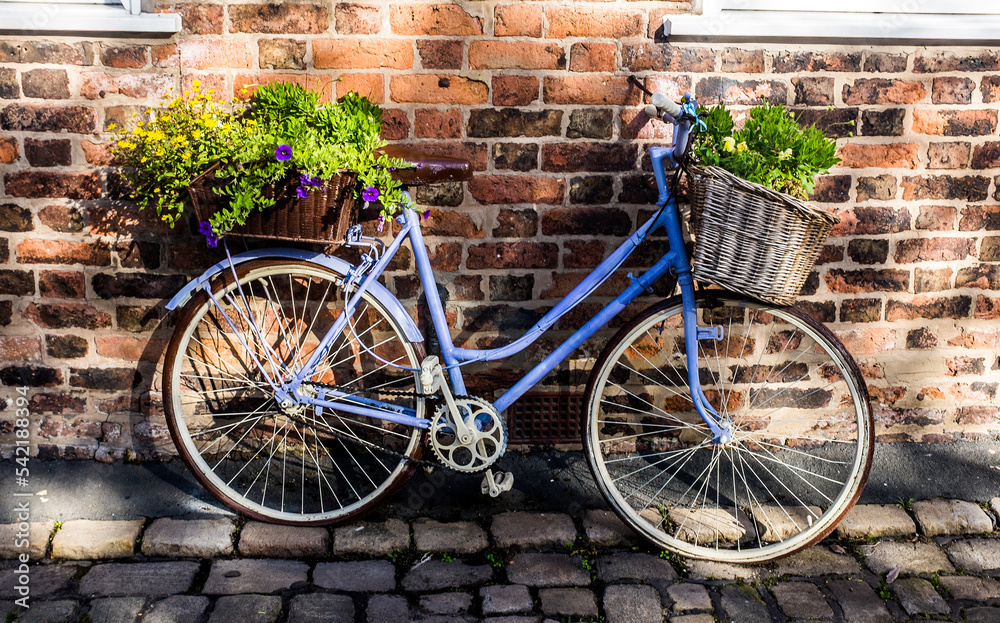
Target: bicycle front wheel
x=799, y=411
x=293, y=464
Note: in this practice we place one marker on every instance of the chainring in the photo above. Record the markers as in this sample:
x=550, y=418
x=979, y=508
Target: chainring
x=487, y=427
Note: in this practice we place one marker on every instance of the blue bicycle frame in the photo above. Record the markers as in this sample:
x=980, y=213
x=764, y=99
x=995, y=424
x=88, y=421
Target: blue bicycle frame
x=675, y=261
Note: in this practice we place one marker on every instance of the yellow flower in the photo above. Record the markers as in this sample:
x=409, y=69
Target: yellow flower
x=196, y=134
x=187, y=155
x=211, y=123
x=785, y=155
x=143, y=159
x=196, y=83
x=165, y=217
x=126, y=145
x=728, y=143
x=112, y=126
x=159, y=152
x=742, y=147
x=156, y=190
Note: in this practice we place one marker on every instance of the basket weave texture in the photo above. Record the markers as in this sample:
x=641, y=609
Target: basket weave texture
x=751, y=239
x=323, y=216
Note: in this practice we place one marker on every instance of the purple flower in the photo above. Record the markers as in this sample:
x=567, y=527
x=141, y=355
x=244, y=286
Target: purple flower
x=370, y=193
x=427, y=214
x=316, y=181
x=283, y=153
x=420, y=166
x=304, y=180
x=302, y=192
x=381, y=223
x=205, y=229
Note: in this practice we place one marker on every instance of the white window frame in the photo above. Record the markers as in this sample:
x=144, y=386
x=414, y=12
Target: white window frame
x=27, y=17
x=963, y=22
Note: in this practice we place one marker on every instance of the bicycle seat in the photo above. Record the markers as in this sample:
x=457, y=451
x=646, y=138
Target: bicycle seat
x=429, y=169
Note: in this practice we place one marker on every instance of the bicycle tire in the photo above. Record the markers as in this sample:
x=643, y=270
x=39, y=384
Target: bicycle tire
x=289, y=466
x=803, y=430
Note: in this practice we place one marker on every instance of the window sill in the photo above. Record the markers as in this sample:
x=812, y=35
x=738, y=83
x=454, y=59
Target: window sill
x=25, y=18
x=840, y=27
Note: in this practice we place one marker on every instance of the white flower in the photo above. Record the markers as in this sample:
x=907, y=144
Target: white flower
x=785, y=155
x=728, y=144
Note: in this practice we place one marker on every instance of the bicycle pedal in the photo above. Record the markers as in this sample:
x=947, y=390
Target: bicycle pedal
x=710, y=333
x=495, y=484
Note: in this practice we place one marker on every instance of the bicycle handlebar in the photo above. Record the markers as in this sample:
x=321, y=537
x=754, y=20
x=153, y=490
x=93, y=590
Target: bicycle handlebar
x=660, y=103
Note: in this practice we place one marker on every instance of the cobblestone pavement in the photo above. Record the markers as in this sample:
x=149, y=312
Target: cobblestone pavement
x=932, y=559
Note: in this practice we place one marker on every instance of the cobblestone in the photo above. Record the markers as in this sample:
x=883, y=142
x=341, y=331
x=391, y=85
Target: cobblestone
x=604, y=529
x=84, y=539
x=689, y=596
x=189, y=538
x=859, y=602
x=372, y=539
x=547, y=570
x=801, y=600
x=435, y=575
x=818, y=560
x=38, y=539
x=622, y=566
x=632, y=603
x=49, y=612
x=742, y=602
x=45, y=580
x=909, y=558
x=505, y=599
x=917, y=596
x=944, y=517
x=709, y=570
x=693, y=618
x=264, y=540
x=145, y=578
x=383, y=608
x=568, y=602
x=995, y=507
x=246, y=609
x=982, y=615
x=321, y=608
x=446, y=603
x=177, y=609
x=232, y=577
x=116, y=609
x=374, y=576
x=460, y=537
x=975, y=555
x=522, y=529
x=874, y=521
x=971, y=588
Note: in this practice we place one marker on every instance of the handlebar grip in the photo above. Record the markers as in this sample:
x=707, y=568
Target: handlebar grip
x=660, y=102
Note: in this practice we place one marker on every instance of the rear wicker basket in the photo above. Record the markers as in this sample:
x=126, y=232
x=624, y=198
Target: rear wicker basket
x=751, y=239
x=323, y=216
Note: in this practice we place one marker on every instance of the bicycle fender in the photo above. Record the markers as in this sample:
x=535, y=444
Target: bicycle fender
x=335, y=264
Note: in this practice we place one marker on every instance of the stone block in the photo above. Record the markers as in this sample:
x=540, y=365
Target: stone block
x=116, y=609
x=38, y=539
x=971, y=588
x=909, y=558
x=435, y=575
x=693, y=618
x=801, y=600
x=711, y=570
x=363, y=576
x=946, y=517
x=85, y=539
x=876, y=520
x=49, y=612
x=371, y=539
x=547, y=570
x=742, y=603
x=781, y=523
x=459, y=537
x=817, y=560
x=859, y=602
x=177, y=609
x=982, y=614
x=688, y=596
x=231, y=577
x=569, y=602
x=321, y=608
x=975, y=555
x=505, y=599
x=446, y=603
x=605, y=529
x=144, y=578
x=246, y=609
x=520, y=529
x=918, y=597
x=189, y=538
x=45, y=580
x=643, y=567
x=384, y=608
x=632, y=603
x=265, y=540
x=995, y=507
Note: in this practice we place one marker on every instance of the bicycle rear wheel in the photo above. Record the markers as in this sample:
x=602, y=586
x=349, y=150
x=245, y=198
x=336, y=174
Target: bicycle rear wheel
x=802, y=430
x=293, y=465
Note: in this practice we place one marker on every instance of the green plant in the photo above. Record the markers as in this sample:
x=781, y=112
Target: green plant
x=495, y=559
x=906, y=505
x=446, y=558
x=771, y=149
x=283, y=135
x=883, y=590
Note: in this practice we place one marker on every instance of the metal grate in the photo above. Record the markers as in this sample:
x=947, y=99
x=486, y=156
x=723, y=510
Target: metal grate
x=540, y=417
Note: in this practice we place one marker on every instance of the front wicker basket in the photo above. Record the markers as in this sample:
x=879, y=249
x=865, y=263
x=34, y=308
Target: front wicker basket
x=751, y=239
x=323, y=216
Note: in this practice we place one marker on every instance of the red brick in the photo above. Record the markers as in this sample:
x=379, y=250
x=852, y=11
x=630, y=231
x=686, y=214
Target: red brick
x=976, y=217
x=62, y=284
x=63, y=252
x=967, y=188
x=891, y=156
x=431, y=123
x=20, y=349
x=952, y=90
x=67, y=316
x=513, y=255
x=990, y=88
x=590, y=90
x=737, y=60
x=41, y=118
x=451, y=224
x=585, y=221
x=502, y=189
x=53, y=184
x=124, y=56
x=518, y=20
x=371, y=86
x=883, y=91
x=98, y=154
x=516, y=224
x=9, y=152
x=437, y=89
x=515, y=55
x=214, y=53
x=440, y=54
x=359, y=19
x=63, y=218
x=741, y=92
x=588, y=157
x=53, y=53
x=96, y=85
x=168, y=55
x=936, y=218
x=980, y=414
x=201, y=19
x=395, y=125
x=955, y=122
x=362, y=53
x=635, y=124
x=583, y=253
x=867, y=280
x=48, y=153
x=49, y=84
x=279, y=19
x=934, y=249
x=794, y=62
x=929, y=62
x=281, y=53
x=948, y=155
x=868, y=341
x=513, y=90
x=446, y=256
x=131, y=348
x=593, y=57
x=595, y=23
x=476, y=153
x=664, y=57
x=869, y=220
x=433, y=19
x=250, y=82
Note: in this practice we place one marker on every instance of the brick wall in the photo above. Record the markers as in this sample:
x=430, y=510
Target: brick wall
x=536, y=96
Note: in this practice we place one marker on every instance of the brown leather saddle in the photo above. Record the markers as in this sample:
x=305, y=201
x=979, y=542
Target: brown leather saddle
x=429, y=169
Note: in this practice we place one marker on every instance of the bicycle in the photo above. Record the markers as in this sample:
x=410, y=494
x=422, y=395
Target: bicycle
x=298, y=391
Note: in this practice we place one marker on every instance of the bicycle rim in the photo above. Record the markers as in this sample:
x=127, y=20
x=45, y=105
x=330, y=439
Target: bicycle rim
x=293, y=466
x=802, y=426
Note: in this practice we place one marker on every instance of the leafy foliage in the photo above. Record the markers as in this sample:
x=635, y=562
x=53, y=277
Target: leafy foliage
x=771, y=149
x=284, y=134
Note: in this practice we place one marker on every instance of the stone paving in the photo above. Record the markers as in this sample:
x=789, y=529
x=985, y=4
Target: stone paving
x=932, y=560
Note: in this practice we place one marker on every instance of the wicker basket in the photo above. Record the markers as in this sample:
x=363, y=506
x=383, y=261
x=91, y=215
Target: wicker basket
x=751, y=239
x=323, y=216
